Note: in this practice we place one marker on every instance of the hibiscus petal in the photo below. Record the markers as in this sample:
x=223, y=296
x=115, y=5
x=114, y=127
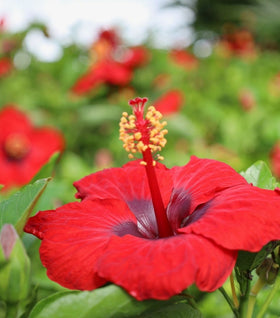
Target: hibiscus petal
x=162, y=268
x=13, y=121
x=239, y=218
x=196, y=183
x=129, y=184
x=75, y=235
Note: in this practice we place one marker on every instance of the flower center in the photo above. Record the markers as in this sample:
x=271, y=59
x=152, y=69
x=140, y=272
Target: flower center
x=16, y=146
x=146, y=135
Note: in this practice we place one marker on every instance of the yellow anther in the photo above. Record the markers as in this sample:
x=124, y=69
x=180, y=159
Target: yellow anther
x=125, y=114
x=151, y=108
x=154, y=140
x=163, y=143
x=130, y=156
x=137, y=135
x=160, y=157
x=141, y=147
x=143, y=163
x=153, y=132
x=123, y=120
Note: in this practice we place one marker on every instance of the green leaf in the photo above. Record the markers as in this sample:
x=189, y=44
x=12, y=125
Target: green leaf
x=19, y=206
x=48, y=169
x=251, y=261
x=260, y=176
x=247, y=262
x=180, y=310
x=110, y=302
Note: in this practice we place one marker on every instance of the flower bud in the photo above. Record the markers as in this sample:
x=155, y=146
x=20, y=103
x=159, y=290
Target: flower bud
x=14, y=266
x=268, y=271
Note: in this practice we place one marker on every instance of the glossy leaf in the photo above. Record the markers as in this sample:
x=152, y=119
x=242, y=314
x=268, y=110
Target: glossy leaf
x=19, y=206
x=247, y=262
x=181, y=310
x=110, y=302
x=260, y=176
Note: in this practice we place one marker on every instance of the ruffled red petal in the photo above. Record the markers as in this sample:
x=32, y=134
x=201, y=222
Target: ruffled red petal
x=162, y=268
x=129, y=184
x=75, y=235
x=196, y=183
x=239, y=218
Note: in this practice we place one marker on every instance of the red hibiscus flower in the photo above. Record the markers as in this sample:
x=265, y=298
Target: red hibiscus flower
x=153, y=230
x=104, y=72
x=184, y=58
x=5, y=66
x=170, y=102
x=110, y=67
x=24, y=149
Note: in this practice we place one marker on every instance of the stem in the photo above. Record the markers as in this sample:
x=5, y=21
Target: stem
x=253, y=296
x=233, y=291
x=243, y=299
x=164, y=229
x=229, y=301
x=269, y=298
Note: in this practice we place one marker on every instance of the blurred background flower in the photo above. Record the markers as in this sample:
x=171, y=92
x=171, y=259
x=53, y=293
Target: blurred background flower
x=24, y=149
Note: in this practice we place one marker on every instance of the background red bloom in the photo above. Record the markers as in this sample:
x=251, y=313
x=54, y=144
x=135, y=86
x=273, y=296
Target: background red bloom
x=104, y=72
x=170, y=102
x=239, y=42
x=111, y=64
x=184, y=58
x=24, y=149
